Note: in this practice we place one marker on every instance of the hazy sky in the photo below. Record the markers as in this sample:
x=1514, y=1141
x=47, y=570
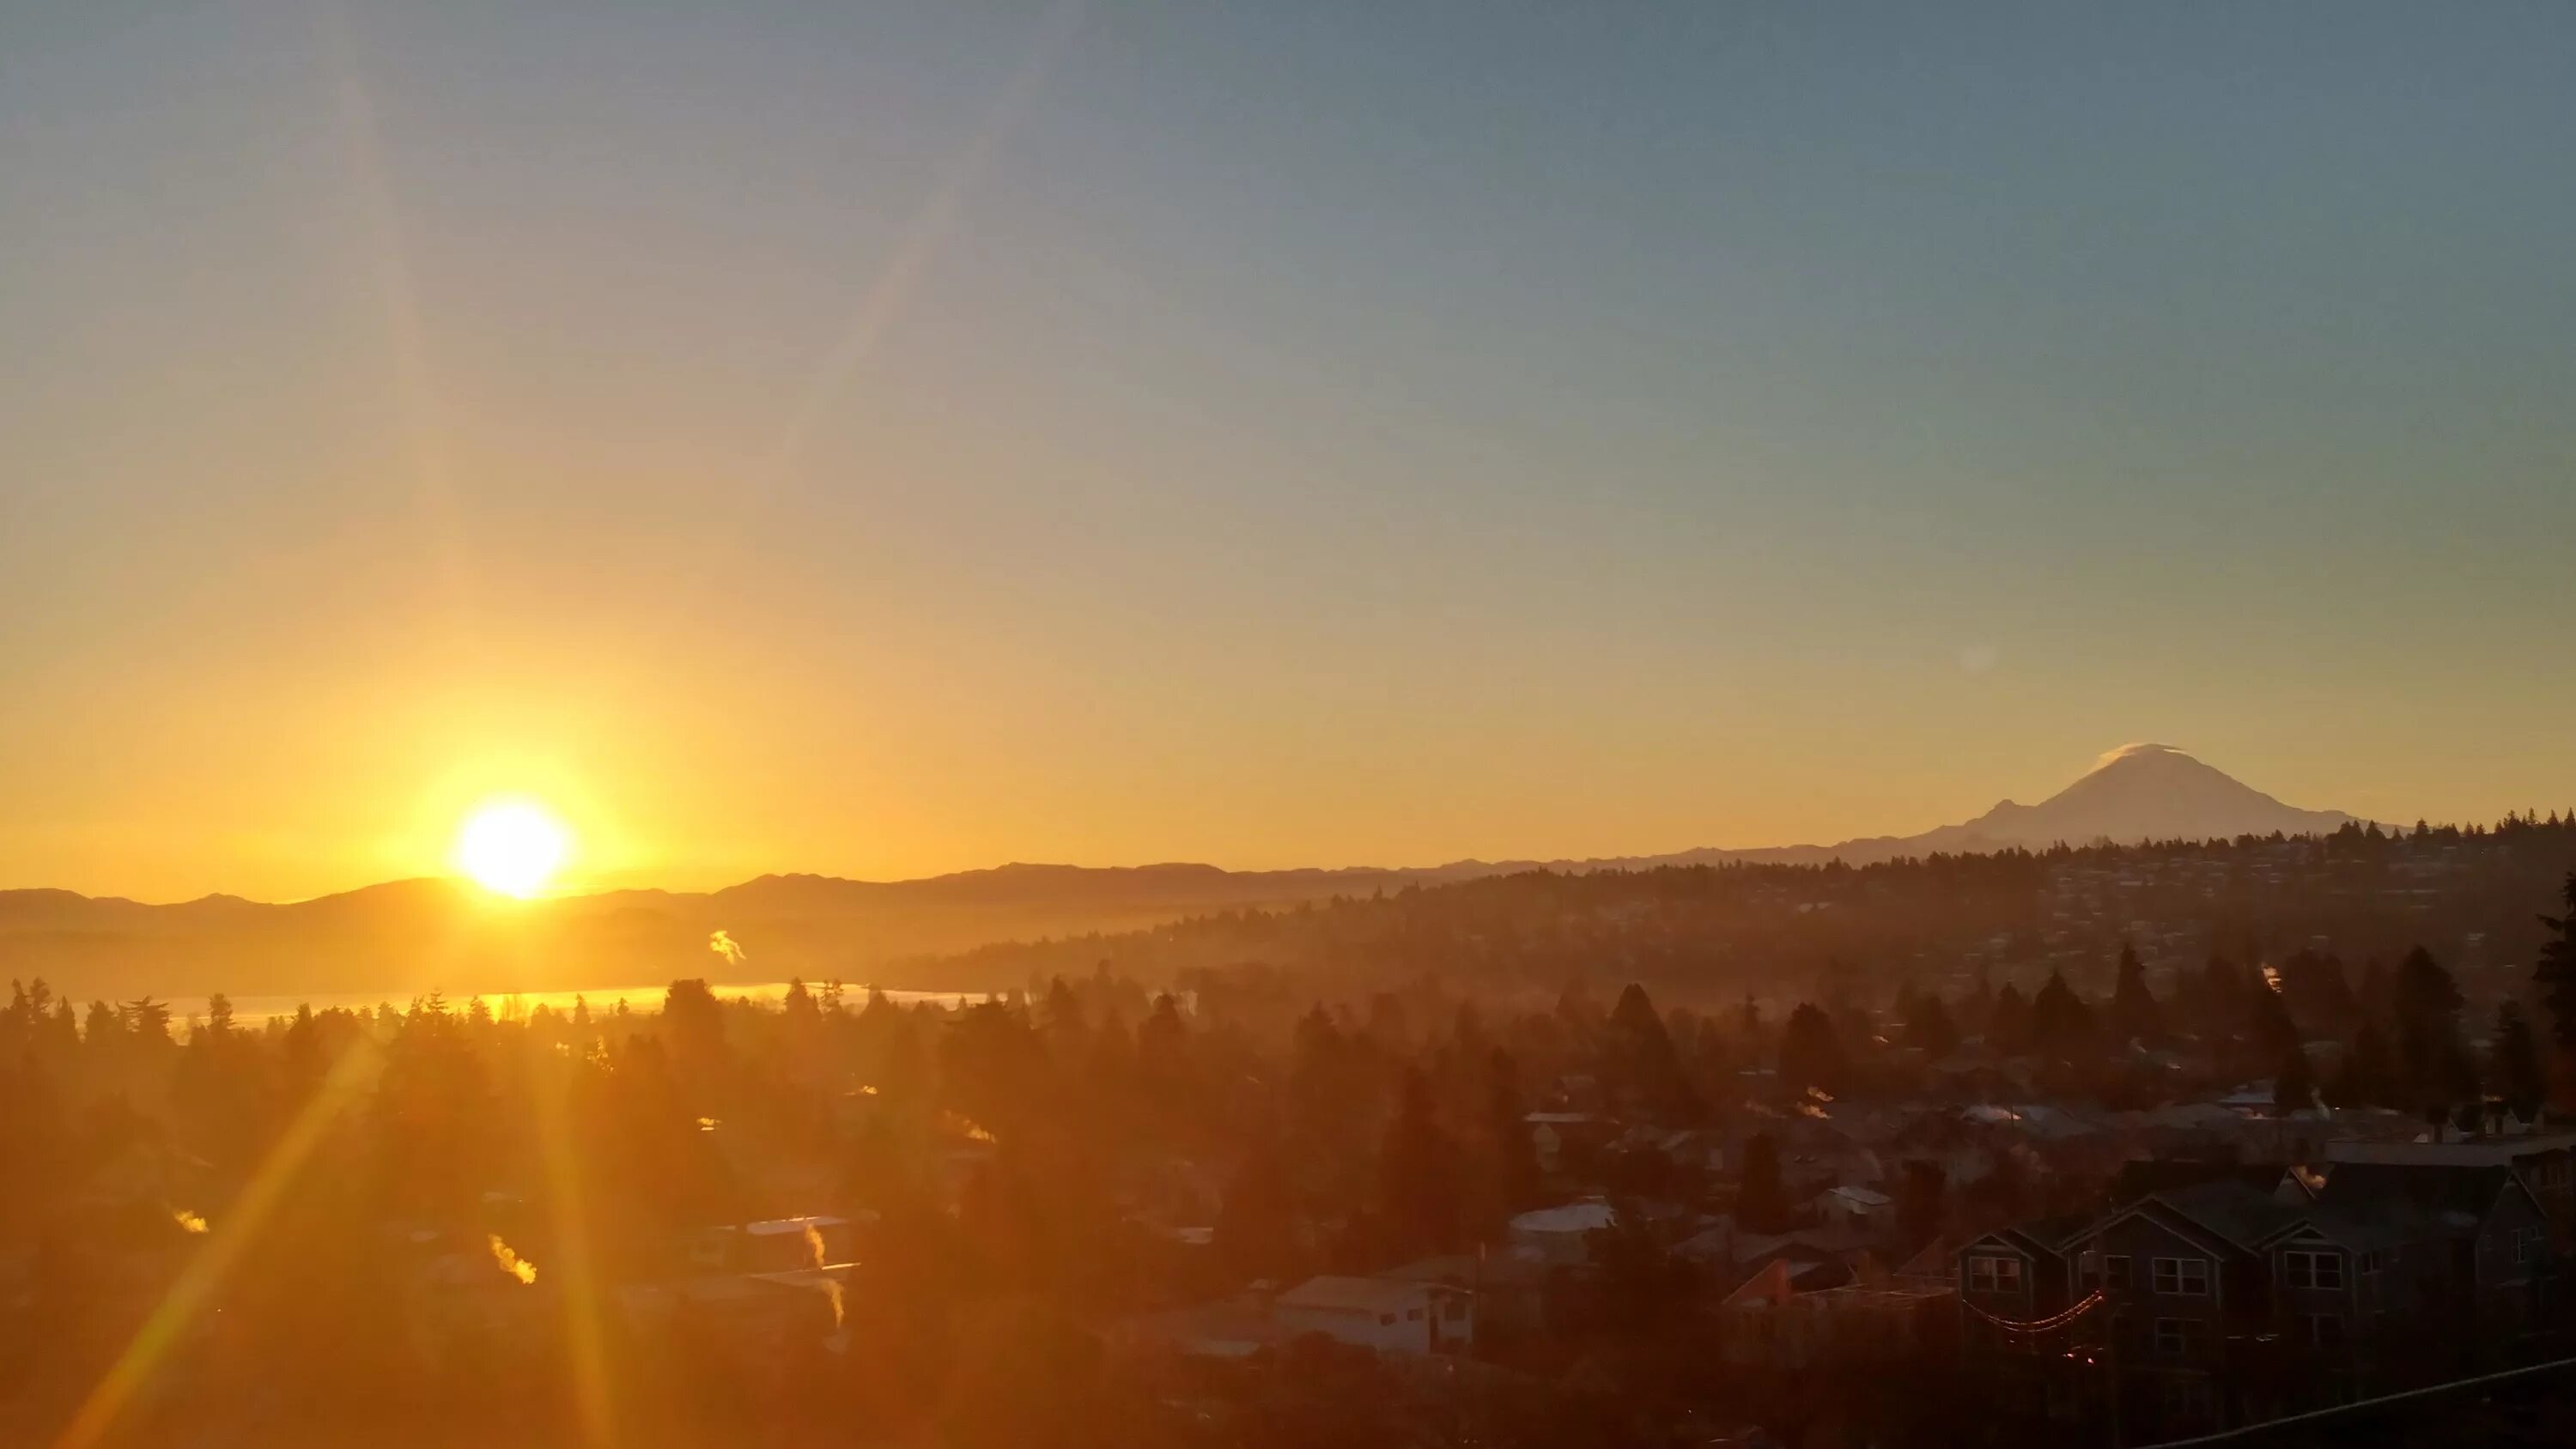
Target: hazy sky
x=889, y=438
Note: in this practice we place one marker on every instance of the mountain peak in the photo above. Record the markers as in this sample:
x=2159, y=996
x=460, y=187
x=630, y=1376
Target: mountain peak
x=2141, y=750
x=2145, y=791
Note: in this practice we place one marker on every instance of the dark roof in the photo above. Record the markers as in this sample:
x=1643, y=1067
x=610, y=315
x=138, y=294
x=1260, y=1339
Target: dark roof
x=2230, y=1209
x=1466, y=1270
x=2447, y=1195
x=2352, y=1231
x=2144, y=1176
x=2040, y=1237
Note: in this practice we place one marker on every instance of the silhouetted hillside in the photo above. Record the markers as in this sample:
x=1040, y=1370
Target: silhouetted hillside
x=405, y=936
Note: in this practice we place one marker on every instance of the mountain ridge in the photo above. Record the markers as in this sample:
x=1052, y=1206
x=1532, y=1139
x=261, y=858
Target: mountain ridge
x=428, y=930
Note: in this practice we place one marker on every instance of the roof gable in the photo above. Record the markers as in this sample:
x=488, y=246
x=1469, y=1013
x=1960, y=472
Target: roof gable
x=2223, y=1215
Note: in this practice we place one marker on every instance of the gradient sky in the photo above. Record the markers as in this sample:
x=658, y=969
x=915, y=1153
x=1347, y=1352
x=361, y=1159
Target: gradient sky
x=889, y=438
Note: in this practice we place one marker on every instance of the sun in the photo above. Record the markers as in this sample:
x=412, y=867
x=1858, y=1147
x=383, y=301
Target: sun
x=512, y=847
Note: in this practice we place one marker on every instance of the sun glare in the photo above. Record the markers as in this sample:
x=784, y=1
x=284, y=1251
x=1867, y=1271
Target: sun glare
x=512, y=847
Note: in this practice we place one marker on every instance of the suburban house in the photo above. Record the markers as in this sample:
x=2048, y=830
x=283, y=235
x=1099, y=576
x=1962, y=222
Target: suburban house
x=2185, y=1276
x=1229, y=1328
x=2016, y=1276
x=2545, y=1162
x=1768, y=1323
x=1509, y=1294
x=2477, y=1255
x=1814, y=1258
x=1699, y=1150
x=1558, y=1235
x=1843, y=1206
x=1390, y=1315
x=2255, y=1292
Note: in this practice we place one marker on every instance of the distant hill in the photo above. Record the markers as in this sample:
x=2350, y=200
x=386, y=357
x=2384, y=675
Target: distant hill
x=408, y=936
x=2136, y=793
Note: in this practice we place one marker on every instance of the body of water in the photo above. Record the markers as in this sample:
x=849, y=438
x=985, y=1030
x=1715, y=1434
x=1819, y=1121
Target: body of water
x=253, y=1010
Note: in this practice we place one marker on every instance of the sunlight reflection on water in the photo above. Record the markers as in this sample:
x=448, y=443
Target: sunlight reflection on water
x=251, y=1011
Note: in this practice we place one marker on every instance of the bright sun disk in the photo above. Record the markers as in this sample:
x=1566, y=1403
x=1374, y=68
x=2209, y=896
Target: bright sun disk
x=512, y=847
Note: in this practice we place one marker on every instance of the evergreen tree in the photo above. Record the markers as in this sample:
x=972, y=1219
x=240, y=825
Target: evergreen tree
x=145, y=1021
x=2008, y=1027
x=1067, y=1027
x=2368, y=1076
x=2135, y=1014
x=2376, y=993
x=1516, y=1156
x=102, y=1035
x=1417, y=1177
x=2273, y=1032
x=1162, y=1049
x=302, y=1053
x=2428, y=1005
x=1256, y=1223
x=62, y=1036
x=1908, y=1001
x=1929, y=1028
x=2294, y=1084
x=2556, y=970
x=2455, y=1077
x=2059, y=1020
x=18, y=1022
x=1638, y=1060
x=2517, y=1076
x=2218, y=1000
x=2317, y=992
x=694, y=1022
x=1811, y=1052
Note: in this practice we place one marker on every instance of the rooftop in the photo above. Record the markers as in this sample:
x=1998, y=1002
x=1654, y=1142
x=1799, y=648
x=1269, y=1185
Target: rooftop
x=1367, y=1295
x=1590, y=1215
x=2445, y=1195
x=2472, y=1152
x=772, y=1226
x=2236, y=1211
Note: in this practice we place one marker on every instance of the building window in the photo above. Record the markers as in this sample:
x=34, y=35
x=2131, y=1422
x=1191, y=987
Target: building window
x=1454, y=1309
x=1994, y=1275
x=2187, y=1277
x=1385, y=1319
x=2177, y=1337
x=2323, y=1330
x=2526, y=1245
x=1413, y=1315
x=2187, y=1400
x=2115, y=1271
x=2314, y=1269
